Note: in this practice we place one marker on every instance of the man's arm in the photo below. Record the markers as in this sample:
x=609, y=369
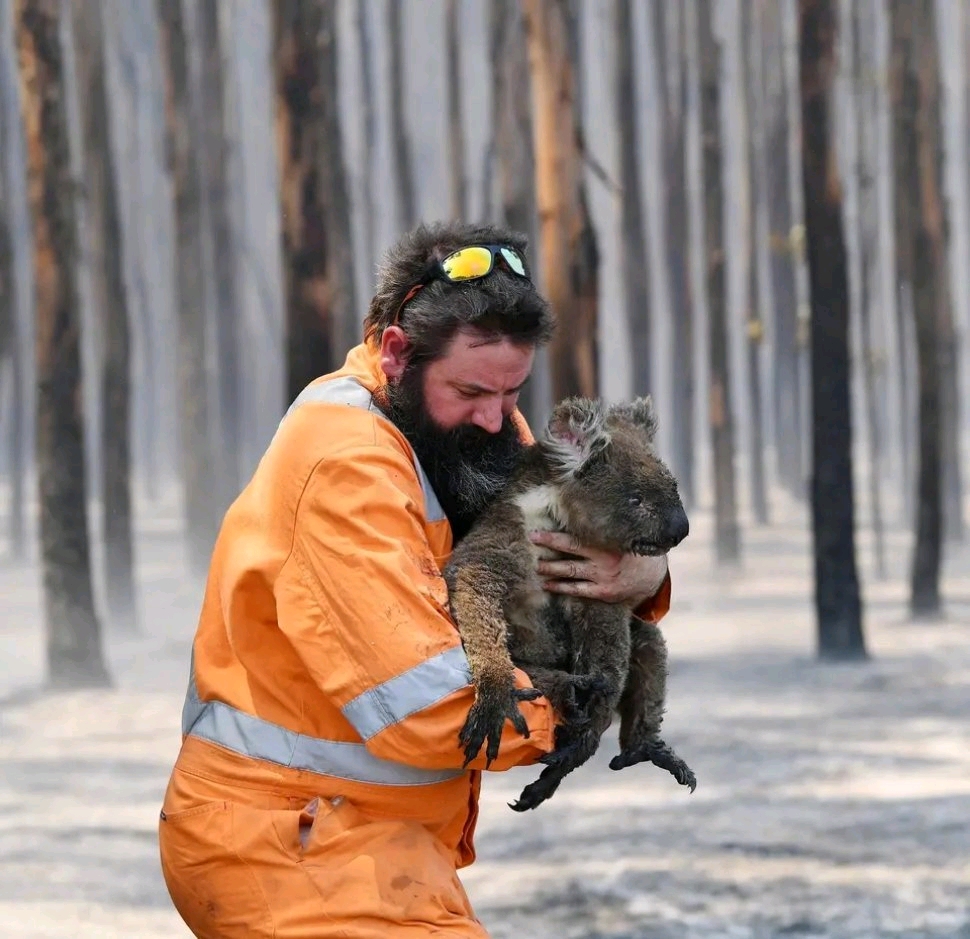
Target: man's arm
x=364, y=605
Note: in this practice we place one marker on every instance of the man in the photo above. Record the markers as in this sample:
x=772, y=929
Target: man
x=319, y=790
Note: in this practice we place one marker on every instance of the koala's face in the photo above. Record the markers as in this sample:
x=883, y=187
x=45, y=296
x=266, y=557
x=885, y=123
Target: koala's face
x=619, y=494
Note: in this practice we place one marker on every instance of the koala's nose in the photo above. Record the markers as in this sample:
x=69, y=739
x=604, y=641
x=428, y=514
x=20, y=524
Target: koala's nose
x=677, y=527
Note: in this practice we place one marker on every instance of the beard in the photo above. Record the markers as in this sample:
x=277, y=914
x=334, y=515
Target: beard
x=466, y=465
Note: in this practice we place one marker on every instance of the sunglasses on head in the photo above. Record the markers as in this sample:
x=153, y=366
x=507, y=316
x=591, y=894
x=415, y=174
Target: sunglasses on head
x=469, y=263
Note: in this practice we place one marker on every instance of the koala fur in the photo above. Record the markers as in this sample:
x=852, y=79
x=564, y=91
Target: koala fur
x=594, y=474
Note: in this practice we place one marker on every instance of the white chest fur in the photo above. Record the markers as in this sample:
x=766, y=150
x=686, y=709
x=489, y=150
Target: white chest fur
x=541, y=511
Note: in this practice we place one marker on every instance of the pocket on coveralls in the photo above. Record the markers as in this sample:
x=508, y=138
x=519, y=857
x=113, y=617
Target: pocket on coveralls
x=386, y=869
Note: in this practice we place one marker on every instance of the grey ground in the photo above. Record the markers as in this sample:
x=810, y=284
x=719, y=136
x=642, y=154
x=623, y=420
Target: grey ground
x=833, y=801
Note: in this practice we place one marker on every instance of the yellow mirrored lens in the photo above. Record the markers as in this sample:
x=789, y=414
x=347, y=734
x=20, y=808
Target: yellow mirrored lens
x=468, y=263
x=514, y=261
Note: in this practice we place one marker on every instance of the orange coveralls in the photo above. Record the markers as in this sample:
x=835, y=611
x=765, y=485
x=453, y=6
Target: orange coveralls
x=319, y=790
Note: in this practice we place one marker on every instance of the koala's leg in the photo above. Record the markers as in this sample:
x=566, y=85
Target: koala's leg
x=642, y=706
x=568, y=693
x=601, y=646
x=476, y=601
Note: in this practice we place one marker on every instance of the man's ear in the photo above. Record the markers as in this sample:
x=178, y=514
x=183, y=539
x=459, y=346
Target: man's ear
x=641, y=412
x=395, y=350
x=575, y=435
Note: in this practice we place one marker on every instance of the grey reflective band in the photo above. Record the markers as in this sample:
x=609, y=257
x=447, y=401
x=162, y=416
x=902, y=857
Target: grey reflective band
x=222, y=724
x=351, y=392
x=417, y=688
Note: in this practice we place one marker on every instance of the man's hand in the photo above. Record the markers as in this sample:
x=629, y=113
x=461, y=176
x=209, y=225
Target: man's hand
x=599, y=575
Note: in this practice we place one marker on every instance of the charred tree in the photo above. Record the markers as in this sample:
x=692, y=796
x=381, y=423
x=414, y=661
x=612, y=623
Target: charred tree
x=864, y=105
x=456, y=131
x=106, y=239
x=921, y=250
x=837, y=600
x=569, y=255
x=317, y=251
x=407, y=210
x=786, y=388
x=11, y=356
x=74, y=656
x=213, y=132
x=727, y=537
x=195, y=440
x=369, y=122
x=674, y=132
x=634, y=260
x=514, y=157
x=751, y=36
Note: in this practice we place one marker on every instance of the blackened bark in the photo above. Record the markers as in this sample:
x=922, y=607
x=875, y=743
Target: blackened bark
x=300, y=123
x=864, y=111
x=837, y=600
x=407, y=211
x=727, y=537
x=108, y=279
x=634, y=260
x=346, y=323
x=921, y=254
x=74, y=656
x=513, y=160
x=212, y=130
x=456, y=132
x=674, y=132
x=751, y=36
x=370, y=129
x=786, y=391
x=11, y=351
x=185, y=150
x=569, y=253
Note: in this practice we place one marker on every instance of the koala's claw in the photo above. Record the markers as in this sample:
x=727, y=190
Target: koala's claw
x=486, y=719
x=658, y=753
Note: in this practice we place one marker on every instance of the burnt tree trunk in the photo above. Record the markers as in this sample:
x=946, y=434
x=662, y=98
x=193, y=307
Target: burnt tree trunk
x=369, y=122
x=407, y=211
x=195, y=440
x=514, y=158
x=837, y=601
x=864, y=111
x=569, y=256
x=675, y=208
x=111, y=298
x=727, y=535
x=786, y=389
x=347, y=324
x=309, y=307
x=74, y=656
x=11, y=351
x=212, y=131
x=634, y=260
x=456, y=132
x=920, y=251
x=751, y=35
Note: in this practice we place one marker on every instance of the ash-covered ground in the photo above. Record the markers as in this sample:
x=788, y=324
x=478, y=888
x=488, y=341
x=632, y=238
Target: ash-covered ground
x=833, y=800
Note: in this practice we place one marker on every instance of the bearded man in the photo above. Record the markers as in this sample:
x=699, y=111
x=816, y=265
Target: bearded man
x=319, y=790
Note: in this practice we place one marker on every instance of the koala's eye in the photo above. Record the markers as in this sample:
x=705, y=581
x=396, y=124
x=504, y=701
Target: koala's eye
x=635, y=500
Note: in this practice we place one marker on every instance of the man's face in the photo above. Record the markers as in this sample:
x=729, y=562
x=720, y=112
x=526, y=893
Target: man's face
x=455, y=412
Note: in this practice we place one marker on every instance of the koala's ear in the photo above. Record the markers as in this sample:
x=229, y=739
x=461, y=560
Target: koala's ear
x=575, y=434
x=640, y=411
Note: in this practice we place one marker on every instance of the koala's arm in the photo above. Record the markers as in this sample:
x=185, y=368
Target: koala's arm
x=641, y=708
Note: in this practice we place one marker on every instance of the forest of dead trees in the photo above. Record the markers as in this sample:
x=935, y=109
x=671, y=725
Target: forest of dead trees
x=756, y=210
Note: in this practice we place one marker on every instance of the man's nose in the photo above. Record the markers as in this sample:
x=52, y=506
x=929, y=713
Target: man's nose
x=489, y=416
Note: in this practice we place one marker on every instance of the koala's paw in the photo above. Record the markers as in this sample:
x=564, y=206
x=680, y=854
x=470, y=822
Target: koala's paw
x=486, y=720
x=657, y=752
x=538, y=791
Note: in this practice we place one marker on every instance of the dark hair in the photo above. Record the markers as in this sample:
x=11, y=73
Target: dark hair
x=500, y=305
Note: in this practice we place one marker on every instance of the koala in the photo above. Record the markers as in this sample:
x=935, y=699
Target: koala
x=594, y=474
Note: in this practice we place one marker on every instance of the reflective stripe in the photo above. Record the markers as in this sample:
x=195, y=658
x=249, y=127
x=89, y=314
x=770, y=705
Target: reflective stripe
x=222, y=724
x=417, y=688
x=351, y=392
